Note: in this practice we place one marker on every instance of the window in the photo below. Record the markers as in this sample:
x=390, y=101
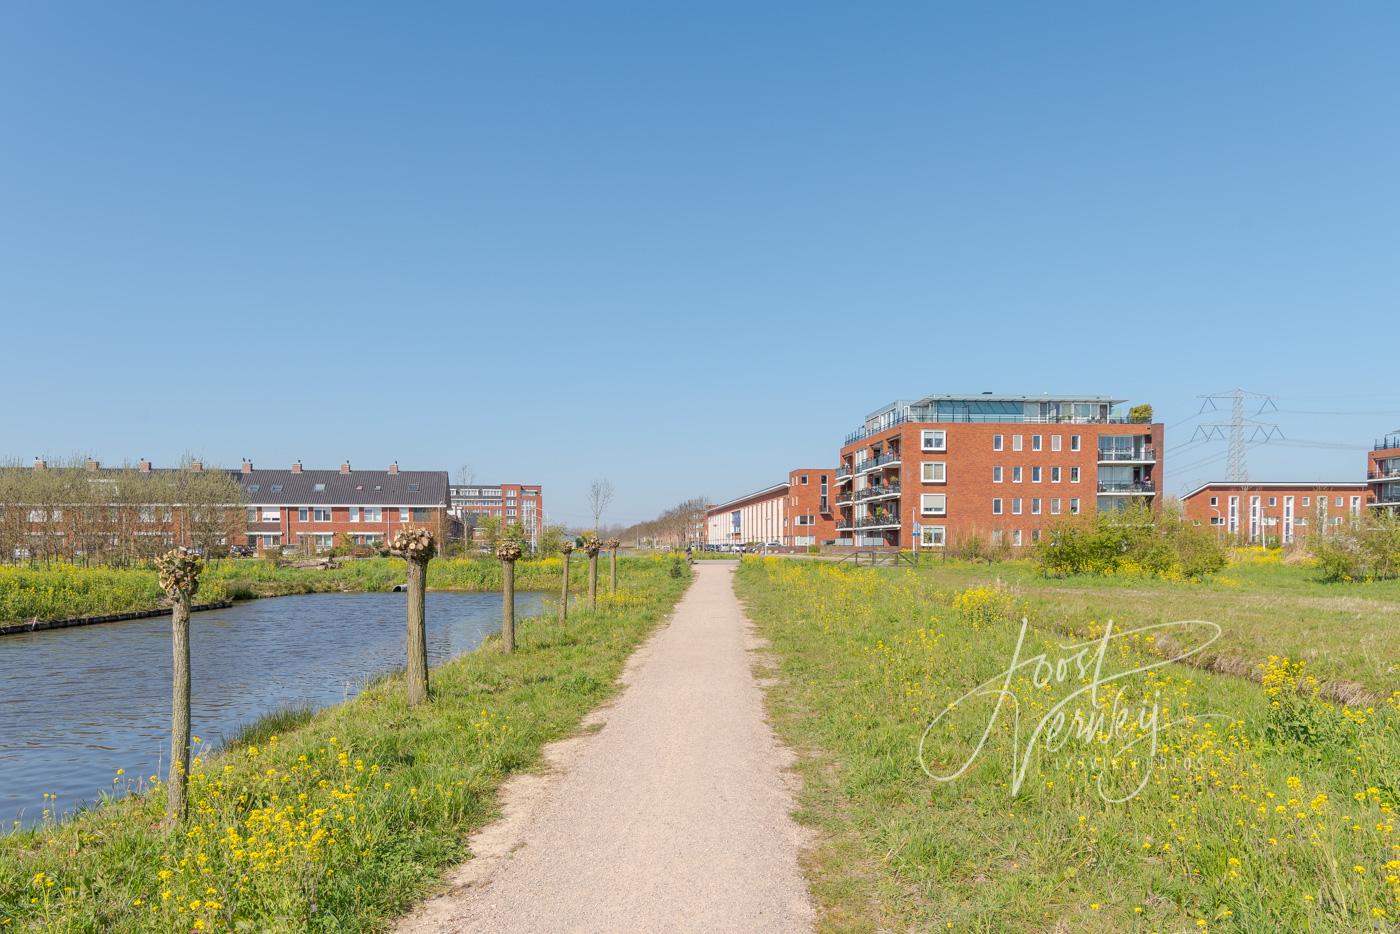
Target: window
x=998, y=536
x=403, y=513
x=1074, y=475
x=252, y=514
x=1217, y=520
x=1016, y=506
x=254, y=487
x=373, y=514
x=1074, y=442
x=1016, y=442
x=1016, y=538
x=1035, y=475
x=1055, y=442
x=1016, y=474
x=1307, y=500
x=934, y=504
x=802, y=479
x=144, y=514
x=1356, y=505
x=996, y=506
x=1035, y=442
x=1338, y=503
x=271, y=514
x=935, y=471
x=413, y=488
x=354, y=513
x=303, y=514
x=998, y=442
x=996, y=474
x=1054, y=475
x=1035, y=506
x=275, y=488
x=1074, y=506
x=1273, y=500
x=934, y=536
x=1035, y=535
x=1215, y=501
x=935, y=440
x=1055, y=506
x=321, y=514
x=318, y=488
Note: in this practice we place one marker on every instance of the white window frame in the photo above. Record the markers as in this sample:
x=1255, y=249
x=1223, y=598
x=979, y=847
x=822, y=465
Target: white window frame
x=1015, y=505
x=1035, y=474
x=933, y=504
x=354, y=513
x=933, y=439
x=321, y=511
x=1074, y=475
x=1074, y=442
x=1074, y=505
x=998, y=442
x=933, y=536
x=1055, y=505
x=939, y=471
x=996, y=505
x=1036, y=442
x=1016, y=473
x=1056, y=442
x=1018, y=442
x=1035, y=505
x=373, y=513
x=272, y=514
x=996, y=473
x=1015, y=538
x=303, y=514
x=1054, y=474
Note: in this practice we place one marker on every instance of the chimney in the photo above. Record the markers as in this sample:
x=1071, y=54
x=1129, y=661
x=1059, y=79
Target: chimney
x=296, y=468
x=197, y=466
x=394, y=468
x=92, y=464
x=40, y=464
x=247, y=465
x=345, y=467
x=144, y=466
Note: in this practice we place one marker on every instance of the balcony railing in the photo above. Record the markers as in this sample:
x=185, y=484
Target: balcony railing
x=880, y=491
x=1387, y=443
x=1006, y=418
x=1391, y=474
x=878, y=522
x=875, y=463
x=844, y=473
x=845, y=499
x=1136, y=454
x=1128, y=487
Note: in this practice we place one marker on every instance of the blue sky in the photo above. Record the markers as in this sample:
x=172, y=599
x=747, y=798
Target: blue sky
x=686, y=247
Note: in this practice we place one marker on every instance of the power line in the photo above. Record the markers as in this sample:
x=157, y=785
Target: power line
x=1259, y=432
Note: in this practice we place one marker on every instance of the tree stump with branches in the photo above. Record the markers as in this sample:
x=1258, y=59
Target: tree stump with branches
x=613, y=546
x=566, y=549
x=178, y=571
x=417, y=547
x=591, y=546
x=508, y=552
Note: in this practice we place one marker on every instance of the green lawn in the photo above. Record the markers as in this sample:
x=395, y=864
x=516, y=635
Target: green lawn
x=345, y=818
x=1262, y=809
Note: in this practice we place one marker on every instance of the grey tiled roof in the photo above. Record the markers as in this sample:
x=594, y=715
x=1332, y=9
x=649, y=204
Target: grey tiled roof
x=333, y=488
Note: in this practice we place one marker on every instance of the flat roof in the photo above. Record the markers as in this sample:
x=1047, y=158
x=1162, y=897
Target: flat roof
x=1278, y=485
x=992, y=397
x=759, y=494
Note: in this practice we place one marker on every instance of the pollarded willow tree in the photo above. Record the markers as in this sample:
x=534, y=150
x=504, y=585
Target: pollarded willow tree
x=566, y=548
x=591, y=546
x=508, y=552
x=178, y=571
x=417, y=547
x=613, y=545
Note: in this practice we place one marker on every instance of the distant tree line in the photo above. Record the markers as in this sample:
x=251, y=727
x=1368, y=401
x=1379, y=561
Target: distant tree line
x=683, y=524
x=75, y=512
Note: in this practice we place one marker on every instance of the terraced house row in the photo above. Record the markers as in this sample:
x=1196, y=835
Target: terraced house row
x=922, y=473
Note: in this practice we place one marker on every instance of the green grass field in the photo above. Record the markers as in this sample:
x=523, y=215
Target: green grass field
x=344, y=818
x=1261, y=809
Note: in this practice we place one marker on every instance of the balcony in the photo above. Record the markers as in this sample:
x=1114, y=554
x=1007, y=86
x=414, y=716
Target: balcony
x=844, y=474
x=880, y=491
x=1128, y=488
x=1128, y=456
x=875, y=463
x=1388, y=443
x=845, y=499
x=1006, y=418
x=878, y=522
x=1392, y=473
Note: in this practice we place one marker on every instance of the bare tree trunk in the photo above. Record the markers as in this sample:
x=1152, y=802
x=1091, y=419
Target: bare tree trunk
x=179, y=711
x=564, y=593
x=612, y=573
x=508, y=605
x=417, y=633
x=593, y=582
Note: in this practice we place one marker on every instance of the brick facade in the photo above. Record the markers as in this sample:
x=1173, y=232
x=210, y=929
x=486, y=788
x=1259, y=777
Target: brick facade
x=1275, y=513
x=811, y=507
x=1383, y=474
x=509, y=502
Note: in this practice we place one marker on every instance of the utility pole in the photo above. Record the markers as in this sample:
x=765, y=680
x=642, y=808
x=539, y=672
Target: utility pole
x=1236, y=429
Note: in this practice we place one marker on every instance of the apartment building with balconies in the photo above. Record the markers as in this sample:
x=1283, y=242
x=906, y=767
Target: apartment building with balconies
x=926, y=472
x=509, y=502
x=1383, y=474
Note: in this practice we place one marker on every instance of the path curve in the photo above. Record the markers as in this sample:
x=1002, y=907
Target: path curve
x=675, y=816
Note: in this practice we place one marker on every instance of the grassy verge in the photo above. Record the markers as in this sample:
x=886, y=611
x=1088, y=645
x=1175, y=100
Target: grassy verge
x=1262, y=810
x=64, y=591
x=1344, y=632
x=339, y=822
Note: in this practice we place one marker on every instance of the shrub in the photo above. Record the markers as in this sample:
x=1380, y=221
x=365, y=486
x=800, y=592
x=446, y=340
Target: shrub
x=1133, y=540
x=1362, y=551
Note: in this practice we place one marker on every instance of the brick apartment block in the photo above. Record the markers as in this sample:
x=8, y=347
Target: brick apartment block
x=509, y=502
x=1273, y=512
x=1004, y=467
x=1383, y=474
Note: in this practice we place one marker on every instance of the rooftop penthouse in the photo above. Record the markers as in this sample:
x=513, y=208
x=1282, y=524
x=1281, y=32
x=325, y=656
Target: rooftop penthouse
x=989, y=407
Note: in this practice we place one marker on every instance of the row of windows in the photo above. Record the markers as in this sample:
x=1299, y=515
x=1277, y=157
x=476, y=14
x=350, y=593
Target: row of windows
x=323, y=514
x=1306, y=501
x=1018, y=442
x=936, y=504
x=936, y=536
x=1037, y=474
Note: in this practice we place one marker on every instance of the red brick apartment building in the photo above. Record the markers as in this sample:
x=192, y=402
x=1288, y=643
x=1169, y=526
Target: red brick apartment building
x=1383, y=474
x=509, y=502
x=794, y=514
x=1275, y=512
x=315, y=507
x=1005, y=467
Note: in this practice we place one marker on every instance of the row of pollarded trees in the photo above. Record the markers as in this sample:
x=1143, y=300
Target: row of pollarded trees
x=77, y=512
x=179, y=571
x=683, y=524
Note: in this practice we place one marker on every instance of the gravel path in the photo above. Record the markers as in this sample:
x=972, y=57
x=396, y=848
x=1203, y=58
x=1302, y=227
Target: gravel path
x=674, y=817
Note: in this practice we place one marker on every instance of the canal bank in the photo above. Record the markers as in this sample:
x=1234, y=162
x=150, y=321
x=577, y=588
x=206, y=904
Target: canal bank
x=415, y=781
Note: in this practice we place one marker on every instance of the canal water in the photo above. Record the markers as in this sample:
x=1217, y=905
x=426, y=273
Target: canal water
x=78, y=704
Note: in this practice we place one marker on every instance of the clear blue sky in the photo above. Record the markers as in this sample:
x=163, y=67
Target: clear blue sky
x=685, y=246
